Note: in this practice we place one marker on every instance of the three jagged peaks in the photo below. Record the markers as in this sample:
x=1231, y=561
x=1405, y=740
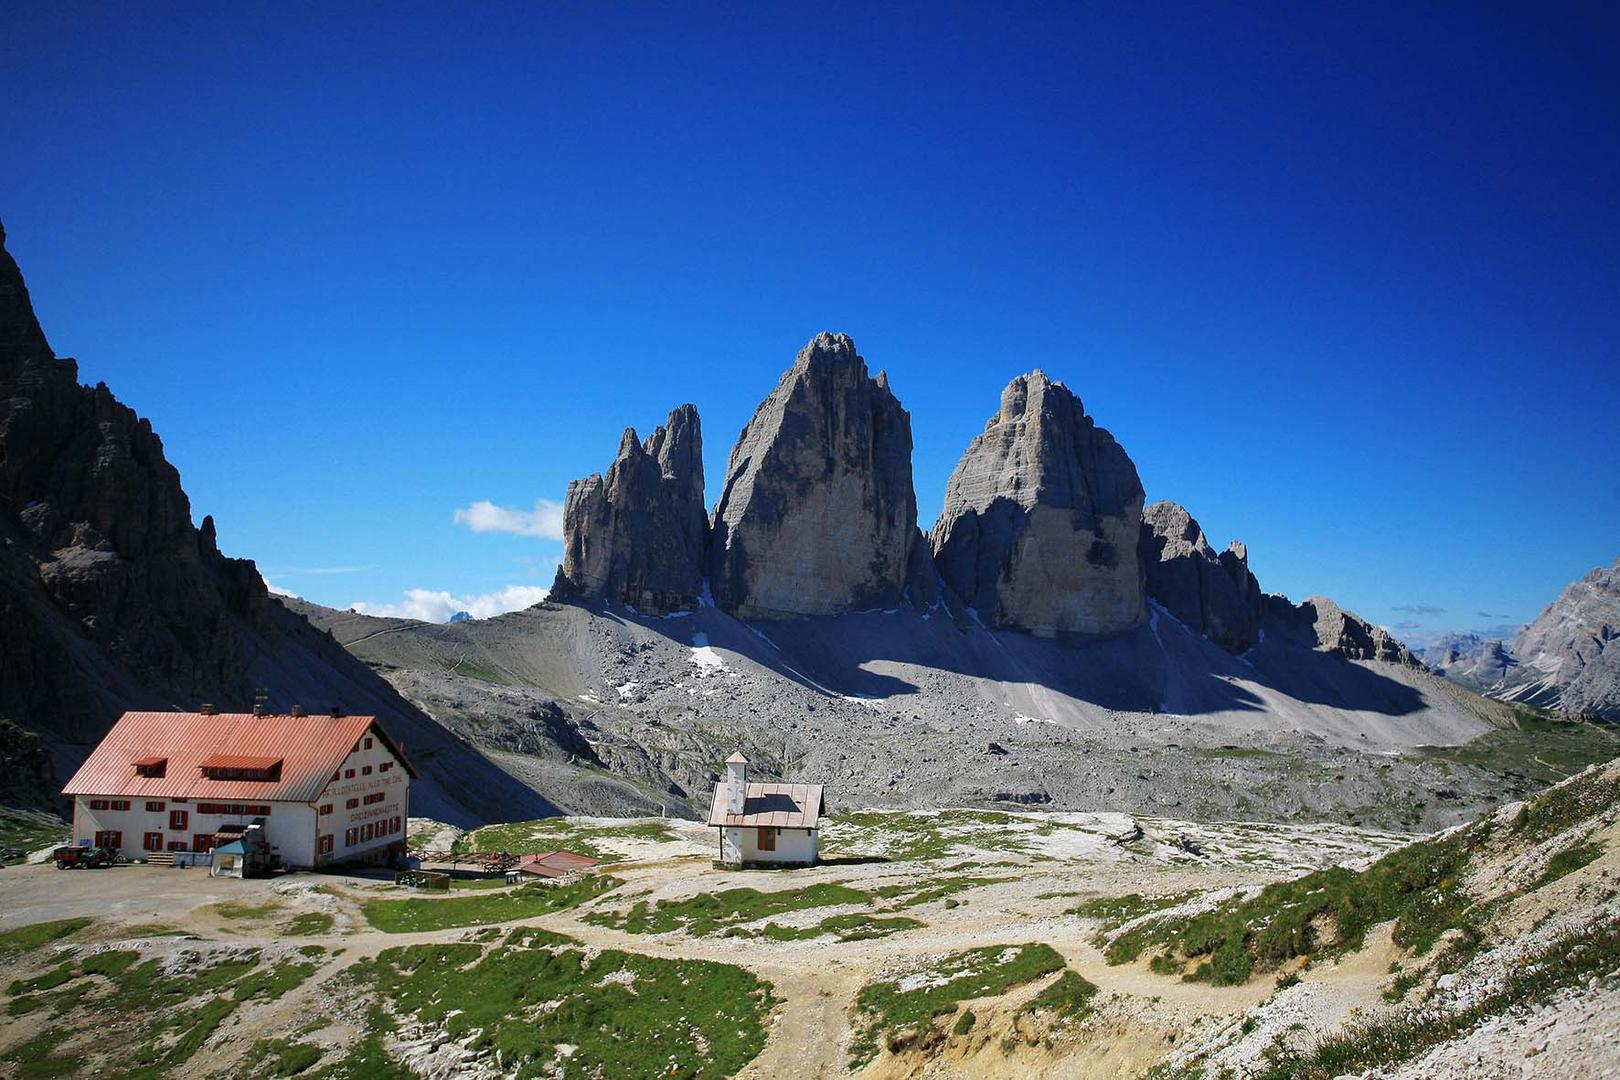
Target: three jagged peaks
x=1043, y=528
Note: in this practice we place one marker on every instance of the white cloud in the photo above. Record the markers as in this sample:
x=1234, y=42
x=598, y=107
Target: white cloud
x=431, y=606
x=546, y=519
x=277, y=590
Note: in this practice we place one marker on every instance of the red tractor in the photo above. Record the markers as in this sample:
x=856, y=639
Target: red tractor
x=84, y=858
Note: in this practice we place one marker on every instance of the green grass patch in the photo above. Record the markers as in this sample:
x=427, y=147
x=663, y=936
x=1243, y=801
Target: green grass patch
x=1402, y=1038
x=1568, y=861
x=711, y=913
x=28, y=938
x=563, y=834
x=964, y=1023
x=176, y=1013
x=854, y=927
x=237, y=910
x=913, y=895
x=1326, y=912
x=1542, y=749
x=526, y=902
x=1070, y=996
x=1114, y=911
x=624, y=1014
x=280, y=1057
x=308, y=924
x=893, y=1007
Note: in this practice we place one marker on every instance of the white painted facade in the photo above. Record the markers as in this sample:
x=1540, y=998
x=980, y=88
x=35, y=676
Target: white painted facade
x=740, y=846
x=301, y=833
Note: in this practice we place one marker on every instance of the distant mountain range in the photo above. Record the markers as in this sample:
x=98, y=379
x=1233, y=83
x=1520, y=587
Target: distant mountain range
x=1566, y=659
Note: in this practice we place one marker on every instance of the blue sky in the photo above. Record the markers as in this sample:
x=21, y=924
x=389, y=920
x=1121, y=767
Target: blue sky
x=1346, y=283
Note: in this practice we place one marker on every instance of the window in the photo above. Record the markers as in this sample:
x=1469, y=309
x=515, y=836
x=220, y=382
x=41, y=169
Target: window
x=365, y=770
x=348, y=774
x=110, y=838
x=152, y=841
x=178, y=820
x=327, y=809
x=154, y=808
x=177, y=845
x=767, y=839
x=351, y=804
x=375, y=797
x=152, y=766
x=119, y=804
x=385, y=766
x=323, y=845
x=98, y=804
x=368, y=744
x=348, y=837
x=202, y=842
x=395, y=826
x=337, y=776
x=368, y=832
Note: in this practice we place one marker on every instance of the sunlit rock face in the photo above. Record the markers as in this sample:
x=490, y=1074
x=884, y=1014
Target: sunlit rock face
x=1042, y=519
x=818, y=514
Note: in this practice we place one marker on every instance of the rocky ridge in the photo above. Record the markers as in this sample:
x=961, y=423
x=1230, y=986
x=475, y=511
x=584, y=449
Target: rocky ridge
x=1212, y=593
x=1569, y=657
x=110, y=598
x=638, y=536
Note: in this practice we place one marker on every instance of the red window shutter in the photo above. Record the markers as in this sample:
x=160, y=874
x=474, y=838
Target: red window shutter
x=177, y=845
x=177, y=821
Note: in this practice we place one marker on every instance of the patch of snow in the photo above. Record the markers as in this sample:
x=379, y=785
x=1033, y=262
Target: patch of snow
x=709, y=661
x=627, y=689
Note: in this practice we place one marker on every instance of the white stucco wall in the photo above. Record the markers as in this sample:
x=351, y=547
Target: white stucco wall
x=741, y=845
x=290, y=827
x=394, y=785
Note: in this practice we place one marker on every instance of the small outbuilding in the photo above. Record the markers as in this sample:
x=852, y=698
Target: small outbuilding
x=765, y=824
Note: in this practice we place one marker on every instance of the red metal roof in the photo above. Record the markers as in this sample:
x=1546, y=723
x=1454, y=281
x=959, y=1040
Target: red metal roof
x=148, y=762
x=554, y=864
x=310, y=748
x=240, y=761
x=786, y=806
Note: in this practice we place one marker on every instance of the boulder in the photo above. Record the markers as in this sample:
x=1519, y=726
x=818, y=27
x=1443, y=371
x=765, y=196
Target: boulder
x=818, y=515
x=637, y=536
x=1213, y=594
x=1042, y=518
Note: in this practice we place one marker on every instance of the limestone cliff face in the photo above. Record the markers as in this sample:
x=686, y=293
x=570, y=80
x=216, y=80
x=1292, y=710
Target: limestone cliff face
x=1042, y=518
x=1570, y=656
x=1212, y=593
x=1317, y=622
x=818, y=514
x=637, y=536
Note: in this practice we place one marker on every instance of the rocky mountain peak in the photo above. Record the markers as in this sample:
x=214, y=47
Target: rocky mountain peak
x=818, y=514
x=1214, y=595
x=637, y=536
x=1042, y=516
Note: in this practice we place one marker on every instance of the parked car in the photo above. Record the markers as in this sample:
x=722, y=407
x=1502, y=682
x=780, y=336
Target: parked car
x=84, y=858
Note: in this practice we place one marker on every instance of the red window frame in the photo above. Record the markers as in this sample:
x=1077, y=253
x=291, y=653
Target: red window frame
x=152, y=841
x=348, y=774
x=154, y=808
x=98, y=804
x=119, y=804
x=326, y=809
x=110, y=838
x=368, y=744
x=348, y=837
x=351, y=804
x=385, y=766
x=177, y=845
x=323, y=844
x=178, y=820
x=202, y=842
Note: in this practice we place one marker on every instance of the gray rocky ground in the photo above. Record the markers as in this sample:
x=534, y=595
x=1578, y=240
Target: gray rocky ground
x=610, y=711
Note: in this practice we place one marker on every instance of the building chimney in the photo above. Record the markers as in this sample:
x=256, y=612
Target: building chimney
x=298, y=710
x=736, y=783
x=205, y=710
